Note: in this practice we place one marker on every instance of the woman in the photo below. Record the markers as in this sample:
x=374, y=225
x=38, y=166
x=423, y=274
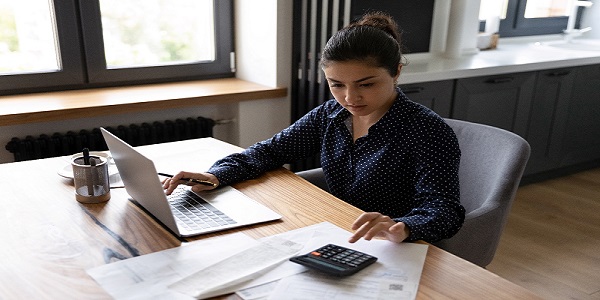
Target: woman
x=393, y=158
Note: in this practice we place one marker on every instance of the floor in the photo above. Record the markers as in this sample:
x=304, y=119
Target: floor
x=551, y=243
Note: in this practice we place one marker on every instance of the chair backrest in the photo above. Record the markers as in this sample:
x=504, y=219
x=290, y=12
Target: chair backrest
x=491, y=166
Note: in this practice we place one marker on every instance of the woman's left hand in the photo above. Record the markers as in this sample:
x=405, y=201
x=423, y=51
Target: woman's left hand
x=374, y=224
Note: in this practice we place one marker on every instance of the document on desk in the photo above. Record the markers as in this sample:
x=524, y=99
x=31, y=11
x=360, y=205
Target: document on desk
x=381, y=283
x=395, y=275
x=150, y=275
x=236, y=262
x=147, y=276
x=241, y=267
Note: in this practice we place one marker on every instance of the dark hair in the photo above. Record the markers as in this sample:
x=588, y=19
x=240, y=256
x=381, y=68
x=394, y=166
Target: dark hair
x=374, y=38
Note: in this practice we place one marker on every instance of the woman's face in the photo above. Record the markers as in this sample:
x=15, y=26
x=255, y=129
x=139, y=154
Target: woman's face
x=364, y=90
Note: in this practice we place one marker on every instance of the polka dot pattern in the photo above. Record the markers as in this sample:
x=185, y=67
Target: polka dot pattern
x=406, y=167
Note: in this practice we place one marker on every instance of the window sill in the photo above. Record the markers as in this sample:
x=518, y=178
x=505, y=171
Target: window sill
x=56, y=106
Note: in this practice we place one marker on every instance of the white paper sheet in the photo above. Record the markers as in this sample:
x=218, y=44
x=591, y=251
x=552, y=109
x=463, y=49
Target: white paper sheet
x=239, y=268
x=395, y=275
x=397, y=271
x=380, y=283
x=147, y=276
x=258, y=292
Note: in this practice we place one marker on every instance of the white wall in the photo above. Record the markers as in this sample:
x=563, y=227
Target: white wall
x=263, y=42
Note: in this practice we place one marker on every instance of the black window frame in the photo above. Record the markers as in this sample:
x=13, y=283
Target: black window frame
x=515, y=24
x=81, y=47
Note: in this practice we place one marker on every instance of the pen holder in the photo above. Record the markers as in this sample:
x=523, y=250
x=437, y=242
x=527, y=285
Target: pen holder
x=91, y=180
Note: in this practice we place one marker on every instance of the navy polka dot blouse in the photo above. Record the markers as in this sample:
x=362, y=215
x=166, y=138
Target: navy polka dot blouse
x=406, y=167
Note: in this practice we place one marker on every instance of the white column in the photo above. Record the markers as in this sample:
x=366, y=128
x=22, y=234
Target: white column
x=439, y=27
x=463, y=26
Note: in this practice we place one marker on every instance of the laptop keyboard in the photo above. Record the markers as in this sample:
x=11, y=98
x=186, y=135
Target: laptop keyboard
x=193, y=213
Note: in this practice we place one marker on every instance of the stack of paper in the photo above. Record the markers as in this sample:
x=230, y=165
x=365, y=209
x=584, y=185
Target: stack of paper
x=259, y=269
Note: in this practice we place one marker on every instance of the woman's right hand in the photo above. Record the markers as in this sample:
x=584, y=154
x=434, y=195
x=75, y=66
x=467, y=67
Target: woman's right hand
x=170, y=184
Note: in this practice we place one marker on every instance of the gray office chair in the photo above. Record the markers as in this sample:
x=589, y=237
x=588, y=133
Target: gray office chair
x=491, y=166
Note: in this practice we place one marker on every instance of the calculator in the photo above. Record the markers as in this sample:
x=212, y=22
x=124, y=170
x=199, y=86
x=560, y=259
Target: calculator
x=335, y=260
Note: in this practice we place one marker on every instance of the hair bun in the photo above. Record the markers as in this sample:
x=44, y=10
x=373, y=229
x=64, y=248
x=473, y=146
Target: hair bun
x=374, y=39
x=382, y=21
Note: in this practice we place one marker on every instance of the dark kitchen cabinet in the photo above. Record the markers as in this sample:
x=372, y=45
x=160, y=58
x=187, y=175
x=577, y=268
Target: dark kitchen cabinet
x=502, y=101
x=557, y=111
x=547, y=124
x=581, y=126
x=436, y=95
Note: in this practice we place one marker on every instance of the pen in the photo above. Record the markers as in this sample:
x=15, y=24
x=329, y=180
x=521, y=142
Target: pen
x=86, y=156
x=203, y=182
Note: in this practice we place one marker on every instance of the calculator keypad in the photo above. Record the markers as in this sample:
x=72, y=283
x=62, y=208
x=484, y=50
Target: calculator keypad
x=336, y=260
x=341, y=255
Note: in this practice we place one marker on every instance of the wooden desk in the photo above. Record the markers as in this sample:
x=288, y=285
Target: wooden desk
x=48, y=239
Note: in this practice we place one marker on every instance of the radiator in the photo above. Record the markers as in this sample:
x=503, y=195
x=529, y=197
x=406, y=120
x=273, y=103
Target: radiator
x=59, y=144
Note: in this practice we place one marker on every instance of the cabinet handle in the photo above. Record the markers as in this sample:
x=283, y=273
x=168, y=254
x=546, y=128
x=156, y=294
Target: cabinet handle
x=412, y=90
x=558, y=73
x=500, y=80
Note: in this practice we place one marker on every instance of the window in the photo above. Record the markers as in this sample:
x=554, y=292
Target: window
x=48, y=45
x=28, y=40
x=547, y=9
x=527, y=17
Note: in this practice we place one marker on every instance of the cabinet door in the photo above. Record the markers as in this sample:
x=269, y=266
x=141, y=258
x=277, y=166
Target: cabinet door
x=436, y=95
x=549, y=110
x=502, y=101
x=581, y=138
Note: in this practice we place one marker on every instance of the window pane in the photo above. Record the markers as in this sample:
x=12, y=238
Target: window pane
x=490, y=8
x=547, y=8
x=164, y=32
x=27, y=37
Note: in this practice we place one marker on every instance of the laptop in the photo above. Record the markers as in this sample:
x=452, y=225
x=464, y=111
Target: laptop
x=224, y=207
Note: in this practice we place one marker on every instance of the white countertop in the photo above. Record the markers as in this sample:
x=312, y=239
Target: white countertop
x=512, y=55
